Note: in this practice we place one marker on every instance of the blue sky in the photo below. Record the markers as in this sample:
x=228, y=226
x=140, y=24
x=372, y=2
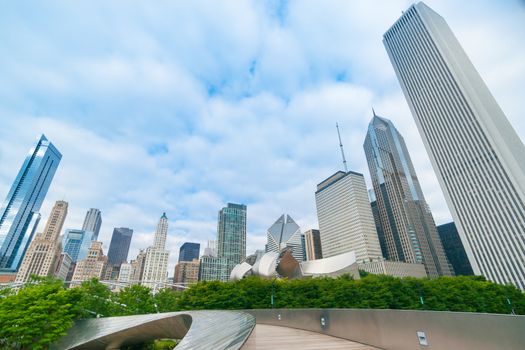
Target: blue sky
x=183, y=106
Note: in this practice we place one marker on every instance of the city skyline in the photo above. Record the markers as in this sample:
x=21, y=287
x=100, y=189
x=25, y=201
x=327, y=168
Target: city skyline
x=88, y=178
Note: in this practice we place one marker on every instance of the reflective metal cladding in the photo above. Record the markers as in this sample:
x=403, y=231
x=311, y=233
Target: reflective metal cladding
x=19, y=214
x=214, y=330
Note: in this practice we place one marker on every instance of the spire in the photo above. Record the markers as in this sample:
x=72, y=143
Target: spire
x=374, y=112
x=164, y=216
x=341, y=145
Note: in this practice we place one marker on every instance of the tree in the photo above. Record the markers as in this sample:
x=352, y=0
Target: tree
x=36, y=316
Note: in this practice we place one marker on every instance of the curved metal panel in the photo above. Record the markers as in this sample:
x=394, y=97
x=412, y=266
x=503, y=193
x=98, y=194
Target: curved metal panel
x=240, y=271
x=326, y=266
x=268, y=264
x=198, y=330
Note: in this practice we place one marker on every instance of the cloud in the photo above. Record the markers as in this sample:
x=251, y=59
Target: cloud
x=181, y=107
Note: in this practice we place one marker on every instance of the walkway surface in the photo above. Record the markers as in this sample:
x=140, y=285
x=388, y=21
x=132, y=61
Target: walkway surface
x=274, y=337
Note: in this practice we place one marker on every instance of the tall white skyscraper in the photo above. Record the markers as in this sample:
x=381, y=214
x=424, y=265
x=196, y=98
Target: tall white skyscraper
x=345, y=217
x=478, y=157
x=156, y=259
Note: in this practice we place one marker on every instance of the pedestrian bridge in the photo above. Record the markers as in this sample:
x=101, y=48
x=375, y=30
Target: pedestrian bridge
x=358, y=329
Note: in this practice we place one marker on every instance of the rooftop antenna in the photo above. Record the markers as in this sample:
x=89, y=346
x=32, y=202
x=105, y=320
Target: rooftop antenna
x=341, y=145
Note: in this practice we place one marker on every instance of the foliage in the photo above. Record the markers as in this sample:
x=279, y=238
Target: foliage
x=462, y=293
x=37, y=315
x=42, y=311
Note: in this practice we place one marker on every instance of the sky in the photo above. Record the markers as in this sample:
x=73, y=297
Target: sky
x=184, y=106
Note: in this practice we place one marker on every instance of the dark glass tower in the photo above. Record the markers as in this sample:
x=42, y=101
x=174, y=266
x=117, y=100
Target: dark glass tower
x=454, y=249
x=19, y=213
x=119, y=246
x=189, y=251
x=407, y=224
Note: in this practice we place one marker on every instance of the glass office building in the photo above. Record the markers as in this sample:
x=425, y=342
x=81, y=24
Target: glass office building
x=19, y=214
x=231, y=238
x=189, y=251
x=408, y=229
x=76, y=243
x=119, y=246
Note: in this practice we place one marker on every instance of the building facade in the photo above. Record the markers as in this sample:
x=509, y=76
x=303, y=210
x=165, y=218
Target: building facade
x=285, y=233
x=345, y=218
x=156, y=259
x=187, y=272
x=93, y=266
x=478, y=157
x=63, y=266
x=125, y=272
x=19, y=214
x=92, y=222
x=189, y=251
x=214, y=268
x=119, y=246
x=454, y=249
x=138, y=266
x=407, y=225
x=394, y=268
x=44, y=251
x=76, y=243
x=231, y=232
x=312, y=240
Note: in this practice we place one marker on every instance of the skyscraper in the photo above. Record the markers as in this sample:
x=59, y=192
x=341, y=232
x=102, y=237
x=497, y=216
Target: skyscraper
x=454, y=249
x=406, y=222
x=44, y=251
x=19, y=214
x=119, y=246
x=285, y=234
x=76, y=243
x=231, y=244
x=313, y=249
x=231, y=233
x=478, y=157
x=92, y=222
x=93, y=265
x=345, y=218
x=189, y=251
x=156, y=259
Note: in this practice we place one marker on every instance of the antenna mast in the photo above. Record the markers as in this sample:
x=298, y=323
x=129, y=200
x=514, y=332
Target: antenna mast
x=341, y=145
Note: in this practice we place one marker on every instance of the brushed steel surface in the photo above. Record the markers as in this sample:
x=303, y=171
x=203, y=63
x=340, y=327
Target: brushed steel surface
x=212, y=330
x=397, y=329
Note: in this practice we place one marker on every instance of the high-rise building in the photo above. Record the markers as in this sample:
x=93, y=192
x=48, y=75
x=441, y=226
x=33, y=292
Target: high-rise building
x=19, y=214
x=231, y=244
x=63, y=266
x=454, y=249
x=211, y=249
x=186, y=272
x=377, y=220
x=478, y=157
x=313, y=248
x=92, y=222
x=44, y=251
x=119, y=246
x=76, y=243
x=231, y=233
x=345, y=218
x=125, y=272
x=93, y=265
x=285, y=233
x=138, y=266
x=156, y=259
x=189, y=251
x=407, y=224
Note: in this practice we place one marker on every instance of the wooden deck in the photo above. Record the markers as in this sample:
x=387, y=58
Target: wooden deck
x=275, y=338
